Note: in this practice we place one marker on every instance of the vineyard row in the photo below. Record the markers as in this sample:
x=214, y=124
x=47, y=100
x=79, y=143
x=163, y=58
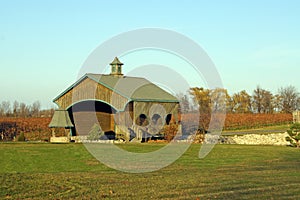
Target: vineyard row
x=37, y=128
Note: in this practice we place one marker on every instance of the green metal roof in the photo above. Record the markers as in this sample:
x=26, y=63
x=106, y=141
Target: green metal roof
x=60, y=119
x=116, y=61
x=134, y=88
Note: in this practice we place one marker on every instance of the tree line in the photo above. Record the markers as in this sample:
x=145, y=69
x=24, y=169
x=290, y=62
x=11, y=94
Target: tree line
x=204, y=100
x=261, y=100
x=20, y=109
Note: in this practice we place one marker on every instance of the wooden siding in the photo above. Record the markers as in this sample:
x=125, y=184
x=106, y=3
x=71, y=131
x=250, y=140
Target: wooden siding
x=125, y=118
x=91, y=90
x=84, y=121
x=148, y=108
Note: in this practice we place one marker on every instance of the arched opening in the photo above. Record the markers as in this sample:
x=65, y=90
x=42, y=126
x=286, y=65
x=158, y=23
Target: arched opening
x=168, y=119
x=86, y=115
x=155, y=118
x=125, y=117
x=92, y=106
x=155, y=126
x=142, y=120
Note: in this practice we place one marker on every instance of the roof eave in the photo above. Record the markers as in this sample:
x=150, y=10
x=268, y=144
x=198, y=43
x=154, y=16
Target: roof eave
x=70, y=87
x=156, y=100
x=87, y=75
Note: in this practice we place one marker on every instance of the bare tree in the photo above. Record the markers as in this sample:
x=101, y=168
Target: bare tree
x=5, y=108
x=276, y=102
x=267, y=104
x=16, y=108
x=220, y=100
x=289, y=99
x=257, y=99
x=35, y=109
x=1, y=111
x=262, y=101
x=24, y=110
x=47, y=112
x=184, y=102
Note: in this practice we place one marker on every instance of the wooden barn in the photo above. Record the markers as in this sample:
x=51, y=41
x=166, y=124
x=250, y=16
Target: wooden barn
x=119, y=104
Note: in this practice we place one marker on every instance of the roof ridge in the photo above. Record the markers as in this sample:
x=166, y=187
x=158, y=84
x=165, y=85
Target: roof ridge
x=154, y=91
x=118, y=77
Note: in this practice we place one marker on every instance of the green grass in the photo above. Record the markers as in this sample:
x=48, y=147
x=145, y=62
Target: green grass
x=266, y=129
x=68, y=171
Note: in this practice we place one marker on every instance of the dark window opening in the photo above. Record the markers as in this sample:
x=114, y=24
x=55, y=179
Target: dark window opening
x=168, y=119
x=142, y=120
x=155, y=118
x=92, y=106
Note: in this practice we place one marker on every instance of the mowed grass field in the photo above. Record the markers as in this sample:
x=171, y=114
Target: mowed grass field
x=68, y=171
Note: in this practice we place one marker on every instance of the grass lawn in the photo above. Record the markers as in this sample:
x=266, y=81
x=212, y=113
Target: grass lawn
x=262, y=130
x=68, y=171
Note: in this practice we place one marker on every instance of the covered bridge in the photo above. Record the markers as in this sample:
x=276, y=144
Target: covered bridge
x=118, y=103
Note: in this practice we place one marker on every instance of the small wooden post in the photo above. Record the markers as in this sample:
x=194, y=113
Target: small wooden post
x=53, y=132
x=67, y=133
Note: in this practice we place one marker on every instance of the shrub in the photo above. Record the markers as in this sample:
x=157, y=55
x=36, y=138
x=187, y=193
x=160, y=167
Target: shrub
x=294, y=135
x=21, y=137
x=95, y=132
x=170, y=131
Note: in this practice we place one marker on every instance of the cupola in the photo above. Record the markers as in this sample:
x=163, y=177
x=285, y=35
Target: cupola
x=116, y=67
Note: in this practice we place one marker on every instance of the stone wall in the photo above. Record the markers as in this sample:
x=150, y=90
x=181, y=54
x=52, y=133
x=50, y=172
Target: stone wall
x=262, y=139
x=249, y=139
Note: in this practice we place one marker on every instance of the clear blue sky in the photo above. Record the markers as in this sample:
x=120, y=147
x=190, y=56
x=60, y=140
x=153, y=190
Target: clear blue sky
x=43, y=44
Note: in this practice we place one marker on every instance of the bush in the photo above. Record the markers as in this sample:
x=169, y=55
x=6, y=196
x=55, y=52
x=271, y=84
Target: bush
x=95, y=132
x=170, y=131
x=294, y=135
x=21, y=137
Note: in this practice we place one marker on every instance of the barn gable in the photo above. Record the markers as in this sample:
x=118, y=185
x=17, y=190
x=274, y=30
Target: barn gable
x=116, y=91
x=89, y=89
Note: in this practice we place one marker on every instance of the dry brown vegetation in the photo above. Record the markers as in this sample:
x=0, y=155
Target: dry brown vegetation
x=37, y=128
x=33, y=128
x=234, y=121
